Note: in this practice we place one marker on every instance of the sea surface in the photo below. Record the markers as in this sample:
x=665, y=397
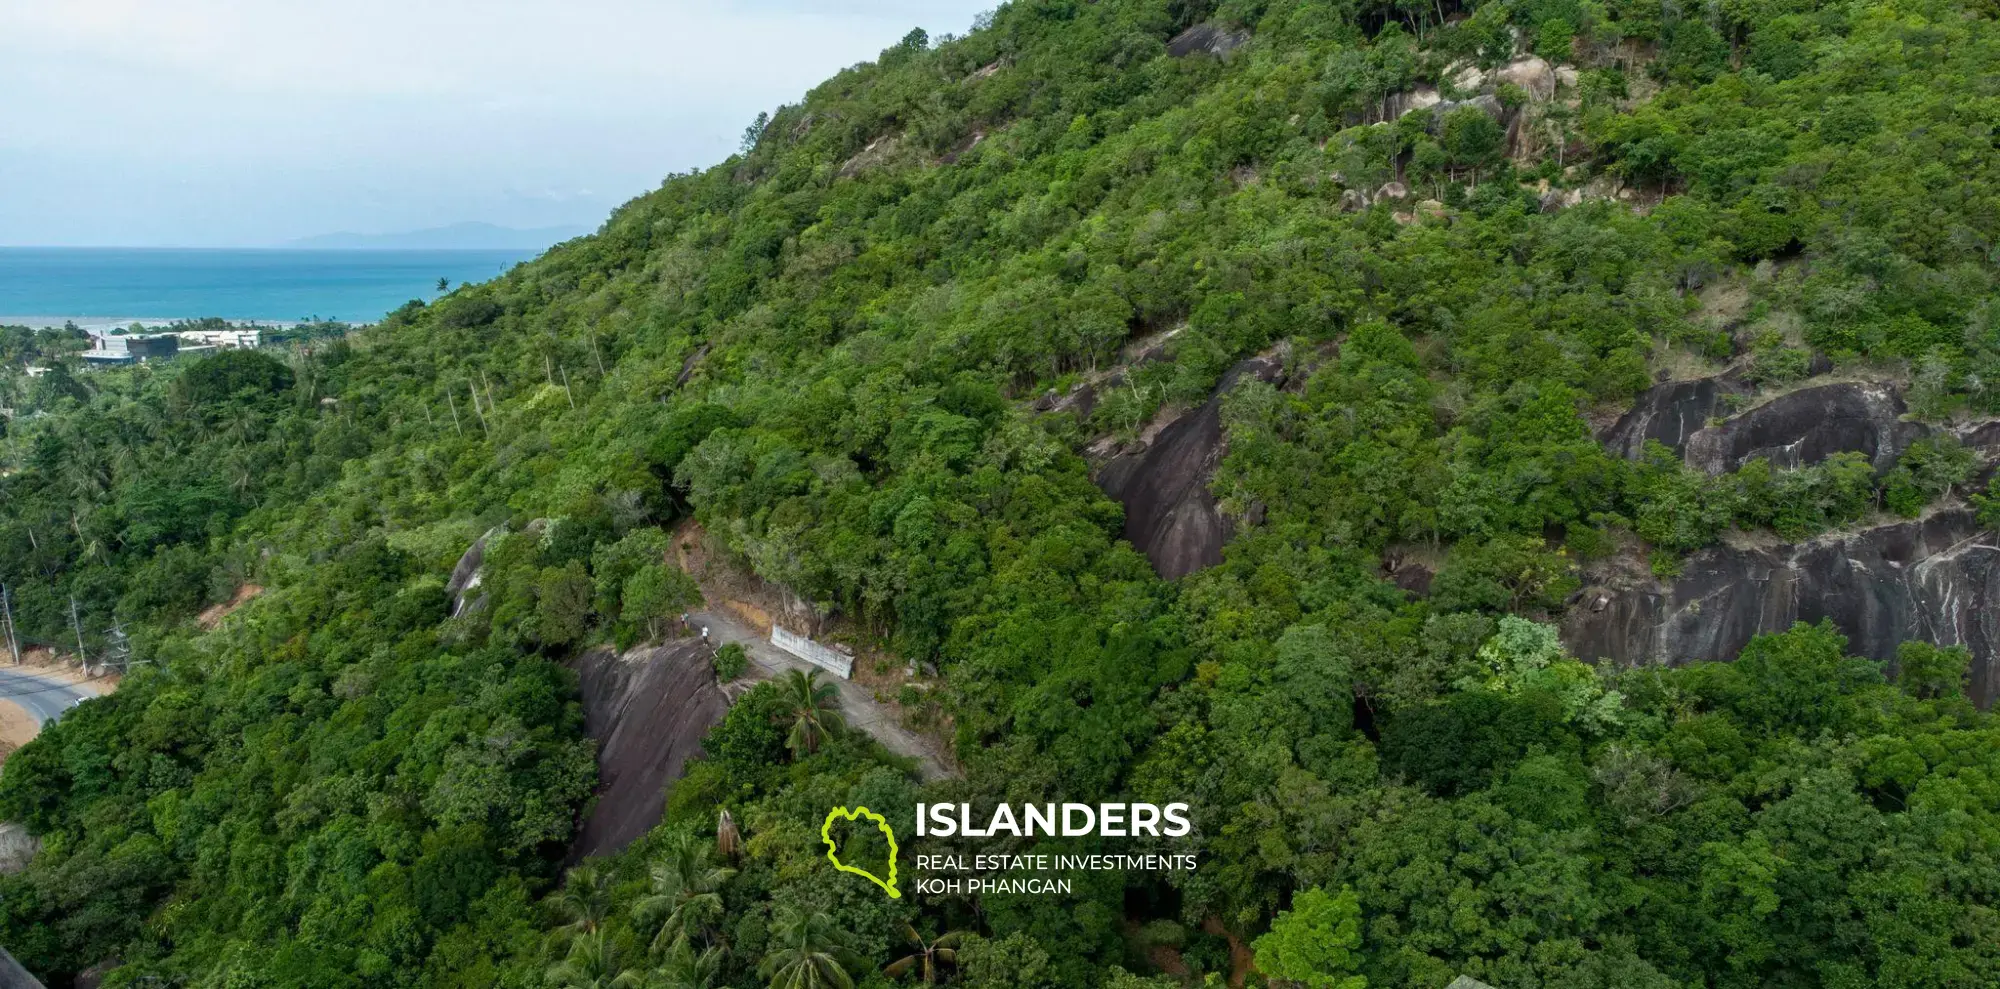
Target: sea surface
x=102, y=285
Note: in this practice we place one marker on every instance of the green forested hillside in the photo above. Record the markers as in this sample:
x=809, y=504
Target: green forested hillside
x=828, y=350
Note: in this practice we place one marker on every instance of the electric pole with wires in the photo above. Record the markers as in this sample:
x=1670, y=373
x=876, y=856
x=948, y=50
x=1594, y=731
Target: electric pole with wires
x=118, y=654
x=82, y=655
x=7, y=612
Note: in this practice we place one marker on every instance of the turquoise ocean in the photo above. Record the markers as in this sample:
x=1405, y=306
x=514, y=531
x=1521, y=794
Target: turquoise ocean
x=95, y=284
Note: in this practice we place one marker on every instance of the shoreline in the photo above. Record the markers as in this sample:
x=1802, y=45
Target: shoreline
x=107, y=323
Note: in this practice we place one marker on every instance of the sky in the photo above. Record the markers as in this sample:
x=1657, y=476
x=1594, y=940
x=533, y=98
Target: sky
x=246, y=123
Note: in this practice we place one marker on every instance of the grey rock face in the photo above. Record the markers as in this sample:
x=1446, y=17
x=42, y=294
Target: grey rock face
x=1422, y=97
x=17, y=848
x=1486, y=103
x=1807, y=426
x=648, y=710
x=1936, y=579
x=1211, y=38
x=1669, y=413
x=465, y=577
x=1169, y=513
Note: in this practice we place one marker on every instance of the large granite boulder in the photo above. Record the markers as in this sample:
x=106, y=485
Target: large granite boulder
x=1807, y=426
x=1669, y=413
x=1169, y=513
x=1936, y=579
x=1210, y=38
x=648, y=709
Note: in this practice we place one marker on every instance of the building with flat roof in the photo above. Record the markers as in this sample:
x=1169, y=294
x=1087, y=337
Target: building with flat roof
x=247, y=339
x=112, y=349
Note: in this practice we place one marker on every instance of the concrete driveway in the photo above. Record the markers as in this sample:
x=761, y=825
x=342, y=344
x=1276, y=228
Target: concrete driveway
x=857, y=705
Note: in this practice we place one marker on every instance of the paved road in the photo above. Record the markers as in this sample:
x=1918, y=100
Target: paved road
x=44, y=697
x=857, y=703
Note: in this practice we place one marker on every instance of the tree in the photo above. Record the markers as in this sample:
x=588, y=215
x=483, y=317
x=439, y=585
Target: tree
x=562, y=604
x=583, y=903
x=811, y=709
x=1315, y=943
x=927, y=956
x=654, y=592
x=1471, y=138
x=592, y=963
x=685, y=892
x=685, y=968
x=806, y=952
x=1927, y=671
x=1932, y=467
x=755, y=132
x=1016, y=961
x=443, y=284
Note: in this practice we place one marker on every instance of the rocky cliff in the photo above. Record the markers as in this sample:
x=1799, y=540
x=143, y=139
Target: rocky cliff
x=1169, y=513
x=1807, y=426
x=1936, y=579
x=1795, y=429
x=648, y=709
x=1669, y=414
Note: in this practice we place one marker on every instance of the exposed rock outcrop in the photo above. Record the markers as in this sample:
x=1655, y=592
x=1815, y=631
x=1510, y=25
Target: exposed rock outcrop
x=648, y=709
x=1210, y=38
x=1807, y=426
x=1169, y=513
x=1669, y=413
x=1982, y=438
x=1534, y=75
x=465, y=577
x=17, y=848
x=13, y=976
x=1396, y=105
x=1936, y=579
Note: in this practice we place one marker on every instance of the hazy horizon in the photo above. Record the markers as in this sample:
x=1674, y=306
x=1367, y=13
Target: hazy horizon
x=313, y=242
x=222, y=123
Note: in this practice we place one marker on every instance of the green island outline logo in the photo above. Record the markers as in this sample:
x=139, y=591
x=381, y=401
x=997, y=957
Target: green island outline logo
x=832, y=850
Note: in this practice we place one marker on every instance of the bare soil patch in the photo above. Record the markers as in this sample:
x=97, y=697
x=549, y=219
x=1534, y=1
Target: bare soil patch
x=16, y=728
x=214, y=614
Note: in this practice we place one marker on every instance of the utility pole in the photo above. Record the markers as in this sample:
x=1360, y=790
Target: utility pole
x=120, y=651
x=483, y=427
x=7, y=609
x=82, y=657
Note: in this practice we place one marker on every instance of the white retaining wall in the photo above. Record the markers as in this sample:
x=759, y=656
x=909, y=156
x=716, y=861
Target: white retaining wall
x=837, y=663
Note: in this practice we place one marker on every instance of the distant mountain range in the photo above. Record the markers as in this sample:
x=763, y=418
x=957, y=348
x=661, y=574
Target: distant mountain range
x=469, y=236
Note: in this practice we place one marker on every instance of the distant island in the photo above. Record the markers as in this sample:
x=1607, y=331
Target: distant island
x=457, y=236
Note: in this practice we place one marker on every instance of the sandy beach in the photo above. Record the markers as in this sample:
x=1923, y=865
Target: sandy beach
x=105, y=324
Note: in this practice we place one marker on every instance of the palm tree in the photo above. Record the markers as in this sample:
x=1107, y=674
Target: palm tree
x=685, y=968
x=805, y=953
x=685, y=884
x=928, y=956
x=592, y=964
x=728, y=840
x=813, y=708
x=583, y=903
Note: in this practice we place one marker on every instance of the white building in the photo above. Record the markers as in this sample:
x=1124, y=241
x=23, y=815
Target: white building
x=249, y=339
